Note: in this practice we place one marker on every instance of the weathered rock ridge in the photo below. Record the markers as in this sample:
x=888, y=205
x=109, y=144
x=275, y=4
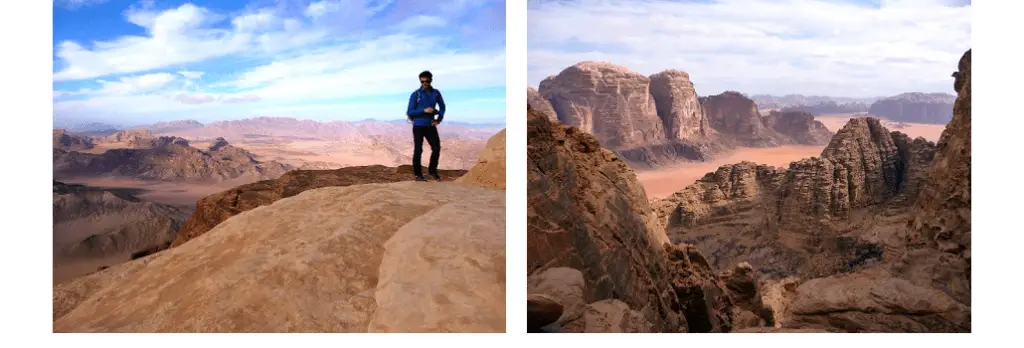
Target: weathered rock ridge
x=389, y=257
x=659, y=120
x=915, y=107
x=596, y=250
x=737, y=116
x=537, y=102
x=879, y=223
x=678, y=107
x=215, y=209
x=96, y=226
x=489, y=170
x=336, y=259
x=70, y=142
x=166, y=158
x=606, y=100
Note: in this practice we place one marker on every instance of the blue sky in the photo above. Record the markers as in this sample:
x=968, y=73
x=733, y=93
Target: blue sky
x=843, y=48
x=138, y=62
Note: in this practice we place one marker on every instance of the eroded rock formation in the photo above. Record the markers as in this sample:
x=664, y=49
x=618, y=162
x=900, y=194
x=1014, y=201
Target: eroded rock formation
x=659, y=120
x=215, y=209
x=588, y=214
x=736, y=115
x=915, y=107
x=315, y=259
x=879, y=225
x=537, y=102
x=678, y=107
x=606, y=100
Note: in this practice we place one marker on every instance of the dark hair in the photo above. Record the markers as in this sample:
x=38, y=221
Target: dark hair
x=427, y=74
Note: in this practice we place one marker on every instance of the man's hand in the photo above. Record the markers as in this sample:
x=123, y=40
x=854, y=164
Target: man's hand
x=435, y=123
x=428, y=110
x=409, y=118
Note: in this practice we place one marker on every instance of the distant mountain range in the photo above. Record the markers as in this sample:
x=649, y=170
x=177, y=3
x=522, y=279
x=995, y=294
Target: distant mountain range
x=934, y=108
x=96, y=128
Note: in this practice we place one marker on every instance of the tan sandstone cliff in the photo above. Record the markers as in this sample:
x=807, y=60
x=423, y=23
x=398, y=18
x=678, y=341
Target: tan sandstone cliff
x=393, y=257
x=598, y=259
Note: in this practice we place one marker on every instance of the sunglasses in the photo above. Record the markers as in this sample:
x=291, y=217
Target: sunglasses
x=425, y=81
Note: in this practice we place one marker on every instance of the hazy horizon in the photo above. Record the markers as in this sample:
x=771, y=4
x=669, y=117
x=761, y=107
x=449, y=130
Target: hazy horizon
x=124, y=62
x=837, y=48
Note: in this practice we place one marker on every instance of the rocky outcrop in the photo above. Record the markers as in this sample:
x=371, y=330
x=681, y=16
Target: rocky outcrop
x=167, y=159
x=606, y=100
x=537, y=102
x=677, y=106
x=880, y=224
x=915, y=107
x=618, y=107
x=798, y=128
x=588, y=214
x=215, y=209
x=70, y=142
x=942, y=213
x=737, y=117
x=748, y=308
x=775, y=218
x=489, y=170
x=874, y=301
x=335, y=259
x=656, y=121
x=101, y=227
x=734, y=114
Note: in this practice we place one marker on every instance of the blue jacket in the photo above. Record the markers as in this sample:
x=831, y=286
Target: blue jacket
x=420, y=100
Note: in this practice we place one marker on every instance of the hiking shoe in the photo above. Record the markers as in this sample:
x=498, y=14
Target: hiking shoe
x=436, y=177
x=420, y=178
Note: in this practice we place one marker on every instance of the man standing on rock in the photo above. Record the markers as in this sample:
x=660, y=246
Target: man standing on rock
x=421, y=112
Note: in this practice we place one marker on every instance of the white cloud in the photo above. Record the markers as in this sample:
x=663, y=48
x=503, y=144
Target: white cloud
x=144, y=75
x=136, y=84
x=756, y=46
x=191, y=74
x=181, y=35
x=387, y=65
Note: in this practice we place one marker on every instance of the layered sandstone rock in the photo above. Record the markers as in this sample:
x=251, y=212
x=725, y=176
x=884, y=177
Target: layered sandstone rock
x=847, y=213
x=798, y=127
x=915, y=107
x=749, y=310
x=586, y=211
x=677, y=106
x=875, y=301
x=489, y=170
x=942, y=216
x=215, y=209
x=799, y=221
x=734, y=114
x=606, y=100
x=537, y=102
x=335, y=259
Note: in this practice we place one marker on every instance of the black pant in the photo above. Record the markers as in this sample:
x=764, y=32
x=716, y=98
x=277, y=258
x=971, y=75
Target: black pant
x=429, y=132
